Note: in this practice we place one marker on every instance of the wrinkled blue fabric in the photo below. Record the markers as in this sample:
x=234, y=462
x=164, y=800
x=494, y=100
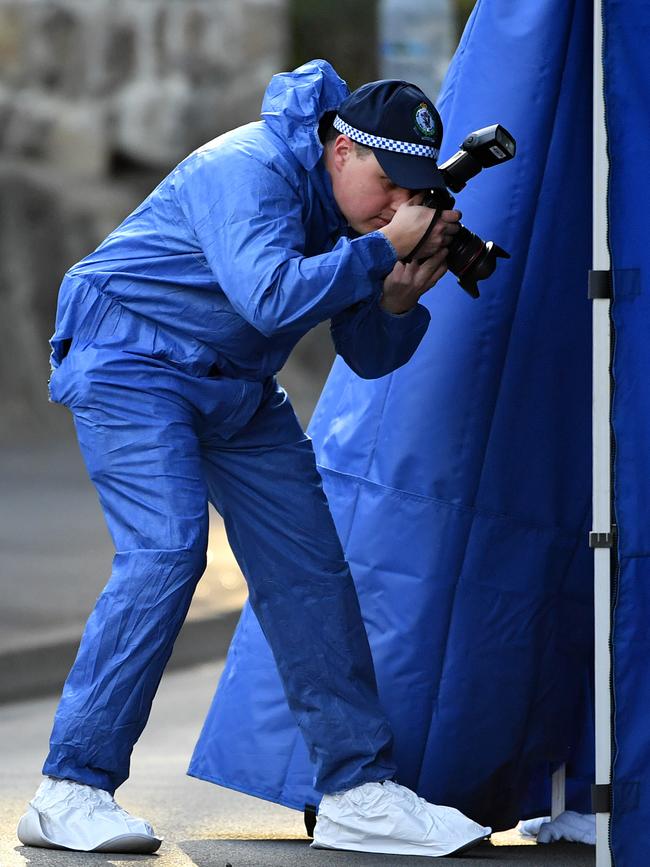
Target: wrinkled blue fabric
x=167, y=340
x=461, y=483
x=627, y=92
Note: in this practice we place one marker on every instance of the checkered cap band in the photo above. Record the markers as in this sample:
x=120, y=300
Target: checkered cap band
x=387, y=144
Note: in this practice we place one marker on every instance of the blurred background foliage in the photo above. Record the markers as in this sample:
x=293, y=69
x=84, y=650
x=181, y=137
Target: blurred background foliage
x=345, y=33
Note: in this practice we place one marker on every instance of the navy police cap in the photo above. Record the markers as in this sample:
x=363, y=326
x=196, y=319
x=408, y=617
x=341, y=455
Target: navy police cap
x=402, y=127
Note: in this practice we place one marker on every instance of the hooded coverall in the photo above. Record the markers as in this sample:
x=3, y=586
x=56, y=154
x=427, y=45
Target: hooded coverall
x=167, y=340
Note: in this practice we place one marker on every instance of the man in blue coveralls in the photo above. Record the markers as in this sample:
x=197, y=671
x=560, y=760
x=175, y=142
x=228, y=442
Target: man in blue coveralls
x=167, y=341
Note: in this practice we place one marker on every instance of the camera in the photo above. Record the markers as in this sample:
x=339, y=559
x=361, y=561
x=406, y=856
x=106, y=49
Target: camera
x=470, y=258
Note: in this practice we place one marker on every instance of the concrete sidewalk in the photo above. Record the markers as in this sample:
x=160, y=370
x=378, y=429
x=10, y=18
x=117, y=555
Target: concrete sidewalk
x=55, y=557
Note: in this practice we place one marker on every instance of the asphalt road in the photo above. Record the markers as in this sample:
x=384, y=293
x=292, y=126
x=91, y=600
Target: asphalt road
x=203, y=825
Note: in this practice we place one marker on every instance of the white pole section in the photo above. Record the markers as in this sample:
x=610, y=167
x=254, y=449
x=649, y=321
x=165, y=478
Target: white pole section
x=558, y=792
x=602, y=519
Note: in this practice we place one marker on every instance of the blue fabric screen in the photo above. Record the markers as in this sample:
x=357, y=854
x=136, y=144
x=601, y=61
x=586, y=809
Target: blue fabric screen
x=627, y=92
x=461, y=483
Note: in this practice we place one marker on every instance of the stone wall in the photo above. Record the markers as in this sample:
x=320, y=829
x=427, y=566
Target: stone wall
x=98, y=99
x=83, y=81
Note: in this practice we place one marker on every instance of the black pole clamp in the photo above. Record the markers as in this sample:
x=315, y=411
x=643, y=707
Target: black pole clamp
x=600, y=285
x=603, y=540
x=601, y=798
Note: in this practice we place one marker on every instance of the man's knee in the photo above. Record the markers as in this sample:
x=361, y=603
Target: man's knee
x=152, y=573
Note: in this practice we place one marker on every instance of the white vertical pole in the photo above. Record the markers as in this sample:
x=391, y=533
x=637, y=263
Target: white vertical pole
x=558, y=792
x=602, y=519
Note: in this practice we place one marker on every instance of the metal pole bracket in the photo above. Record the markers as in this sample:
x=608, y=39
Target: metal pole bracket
x=600, y=285
x=602, y=540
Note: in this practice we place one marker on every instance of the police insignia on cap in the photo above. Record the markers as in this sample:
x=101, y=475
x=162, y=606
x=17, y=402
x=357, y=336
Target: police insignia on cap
x=424, y=122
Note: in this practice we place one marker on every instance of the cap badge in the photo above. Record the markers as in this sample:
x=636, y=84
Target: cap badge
x=424, y=121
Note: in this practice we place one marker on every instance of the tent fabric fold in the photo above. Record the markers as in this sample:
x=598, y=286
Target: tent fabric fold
x=460, y=484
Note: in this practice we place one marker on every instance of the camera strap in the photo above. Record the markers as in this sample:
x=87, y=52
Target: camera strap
x=434, y=220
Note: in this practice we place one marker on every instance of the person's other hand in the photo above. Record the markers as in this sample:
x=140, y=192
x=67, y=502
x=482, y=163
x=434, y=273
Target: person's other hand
x=410, y=222
x=407, y=282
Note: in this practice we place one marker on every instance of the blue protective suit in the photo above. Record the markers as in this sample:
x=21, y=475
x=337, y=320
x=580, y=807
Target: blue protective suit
x=167, y=340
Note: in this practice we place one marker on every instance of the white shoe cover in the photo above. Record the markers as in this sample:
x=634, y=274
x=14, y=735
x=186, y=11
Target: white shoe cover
x=68, y=815
x=530, y=827
x=391, y=819
x=575, y=827
x=570, y=826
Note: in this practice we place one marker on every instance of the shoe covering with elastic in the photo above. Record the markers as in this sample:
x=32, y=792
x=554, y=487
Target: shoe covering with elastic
x=530, y=827
x=391, y=819
x=68, y=815
x=570, y=826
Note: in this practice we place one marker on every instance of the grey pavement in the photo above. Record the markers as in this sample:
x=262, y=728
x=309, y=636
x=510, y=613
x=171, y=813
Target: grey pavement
x=203, y=825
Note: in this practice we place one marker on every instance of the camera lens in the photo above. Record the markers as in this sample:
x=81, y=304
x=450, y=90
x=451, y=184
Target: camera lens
x=472, y=259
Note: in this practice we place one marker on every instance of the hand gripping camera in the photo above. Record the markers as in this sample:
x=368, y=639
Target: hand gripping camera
x=470, y=258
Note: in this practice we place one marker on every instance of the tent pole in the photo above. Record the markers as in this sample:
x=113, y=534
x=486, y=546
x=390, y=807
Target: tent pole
x=558, y=791
x=602, y=518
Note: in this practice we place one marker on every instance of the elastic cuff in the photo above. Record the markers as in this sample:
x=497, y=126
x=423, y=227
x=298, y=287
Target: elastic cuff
x=376, y=252
x=416, y=318
x=401, y=316
x=390, y=244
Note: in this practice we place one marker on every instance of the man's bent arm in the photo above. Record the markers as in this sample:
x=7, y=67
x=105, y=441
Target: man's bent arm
x=248, y=221
x=374, y=342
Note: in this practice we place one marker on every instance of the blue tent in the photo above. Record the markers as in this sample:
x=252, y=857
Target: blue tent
x=627, y=91
x=461, y=484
